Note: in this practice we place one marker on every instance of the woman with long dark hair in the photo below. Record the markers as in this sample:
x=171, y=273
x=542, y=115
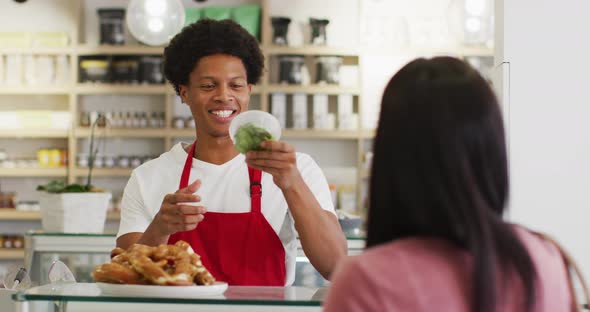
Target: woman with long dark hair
x=438, y=189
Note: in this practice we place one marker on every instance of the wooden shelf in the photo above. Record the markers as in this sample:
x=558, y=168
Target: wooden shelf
x=13, y=214
x=311, y=50
x=460, y=51
x=104, y=172
x=119, y=50
x=368, y=133
x=34, y=133
x=33, y=89
x=12, y=253
x=123, y=133
x=320, y=134
x=32, y=172
x=288, y=134
x=18, y=215
x=182, y=133
x=38, y=50
x=312, y=89
x=98, y=88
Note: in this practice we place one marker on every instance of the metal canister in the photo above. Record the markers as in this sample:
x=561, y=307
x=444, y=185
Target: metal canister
x=63, y=157
x=43, y=158
x=54, y=158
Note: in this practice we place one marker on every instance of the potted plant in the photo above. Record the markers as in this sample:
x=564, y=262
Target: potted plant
x=75, y=208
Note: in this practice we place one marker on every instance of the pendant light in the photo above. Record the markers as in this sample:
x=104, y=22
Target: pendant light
x=155, y=22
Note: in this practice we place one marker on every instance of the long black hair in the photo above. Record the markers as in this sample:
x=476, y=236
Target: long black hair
x=440, y=170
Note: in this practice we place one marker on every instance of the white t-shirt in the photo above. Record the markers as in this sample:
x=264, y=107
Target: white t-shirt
x=224, y=188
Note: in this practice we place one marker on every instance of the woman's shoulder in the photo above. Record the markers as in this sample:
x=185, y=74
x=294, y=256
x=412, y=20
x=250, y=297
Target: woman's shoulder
x=540, y=249
x=409, y=254
x=389, y=276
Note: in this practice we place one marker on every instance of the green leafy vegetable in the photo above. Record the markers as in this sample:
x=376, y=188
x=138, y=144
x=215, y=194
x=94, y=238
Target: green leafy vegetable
x=248, y=138
x=61, y=187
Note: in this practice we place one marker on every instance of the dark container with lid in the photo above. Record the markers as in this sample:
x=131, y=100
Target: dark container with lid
x=94, y=69
x=328, y=69
x=280, y=27
x=112, y=25
x=151, y=69
x=125, y=69
x=318, y=31
x=290, y=67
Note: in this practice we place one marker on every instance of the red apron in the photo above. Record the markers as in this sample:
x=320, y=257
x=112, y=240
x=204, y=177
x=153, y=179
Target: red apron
x=237, y=248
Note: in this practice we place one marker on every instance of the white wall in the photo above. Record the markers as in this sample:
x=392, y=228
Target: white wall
x=548, y=109
x=57, y=15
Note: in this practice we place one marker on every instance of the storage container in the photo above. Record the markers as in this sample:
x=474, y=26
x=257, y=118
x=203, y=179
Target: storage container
x=151, y=69
x=94, y=70
x=249, y=17
x=216, y=12
x=280, y=28
x=318, y=31
x=290, y=69
x=328, y=69
x=299, y=111
x=125, y=70
x=112, y=25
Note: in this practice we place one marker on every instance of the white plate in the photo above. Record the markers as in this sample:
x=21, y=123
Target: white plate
x=196, y=291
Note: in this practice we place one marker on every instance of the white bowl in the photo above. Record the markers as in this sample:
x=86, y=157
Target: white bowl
x=260, y=119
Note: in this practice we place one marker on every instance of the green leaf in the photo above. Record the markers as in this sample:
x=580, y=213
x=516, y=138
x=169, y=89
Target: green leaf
x=249, y=137
x=57, y=187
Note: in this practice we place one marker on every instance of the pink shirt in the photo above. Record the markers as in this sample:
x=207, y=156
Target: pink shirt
x=420, y=274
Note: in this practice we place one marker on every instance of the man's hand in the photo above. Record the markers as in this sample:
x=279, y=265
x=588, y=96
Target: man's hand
x=176, y=212
x=278, y=159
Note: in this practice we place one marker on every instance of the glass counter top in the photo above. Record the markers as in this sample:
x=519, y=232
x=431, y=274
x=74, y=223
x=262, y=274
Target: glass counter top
x=234, y=295
x=41, y=233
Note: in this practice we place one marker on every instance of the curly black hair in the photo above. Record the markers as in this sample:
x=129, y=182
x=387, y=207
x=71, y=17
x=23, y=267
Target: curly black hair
x=207, y=37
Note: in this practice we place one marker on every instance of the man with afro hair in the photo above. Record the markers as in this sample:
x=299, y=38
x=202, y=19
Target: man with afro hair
x=241, y=213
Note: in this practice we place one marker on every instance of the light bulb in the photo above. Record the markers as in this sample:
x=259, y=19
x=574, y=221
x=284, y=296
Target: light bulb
x=155, y=7
x=472, y=25
x=155, y=25
x=154, y=22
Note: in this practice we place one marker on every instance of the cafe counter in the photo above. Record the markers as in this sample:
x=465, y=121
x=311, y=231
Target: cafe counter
x=88, y=297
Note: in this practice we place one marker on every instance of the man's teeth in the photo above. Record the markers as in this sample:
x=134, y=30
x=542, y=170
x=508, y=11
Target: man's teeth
x=223, y=113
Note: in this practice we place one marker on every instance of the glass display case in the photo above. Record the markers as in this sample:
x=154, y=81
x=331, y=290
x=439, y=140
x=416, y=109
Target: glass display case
x=82, y=252
x=307, y=275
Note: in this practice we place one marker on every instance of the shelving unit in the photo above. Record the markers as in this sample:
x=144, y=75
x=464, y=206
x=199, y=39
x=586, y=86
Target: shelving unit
x=310, y=50
x=120, y=89
x=7, y=214
x=124, y=133
x=34, y=133
x=103, y=172
x=17, y=215
x=33, y=172
x=321, y=134
x=74, y=91
x=312, y=89
x=86, y=49
x=12, y=253
x=34, y=90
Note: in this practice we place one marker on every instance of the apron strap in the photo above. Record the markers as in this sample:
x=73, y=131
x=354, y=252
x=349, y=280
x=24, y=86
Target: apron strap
x=255, y=189
x=254, y=175
x=186, y=172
